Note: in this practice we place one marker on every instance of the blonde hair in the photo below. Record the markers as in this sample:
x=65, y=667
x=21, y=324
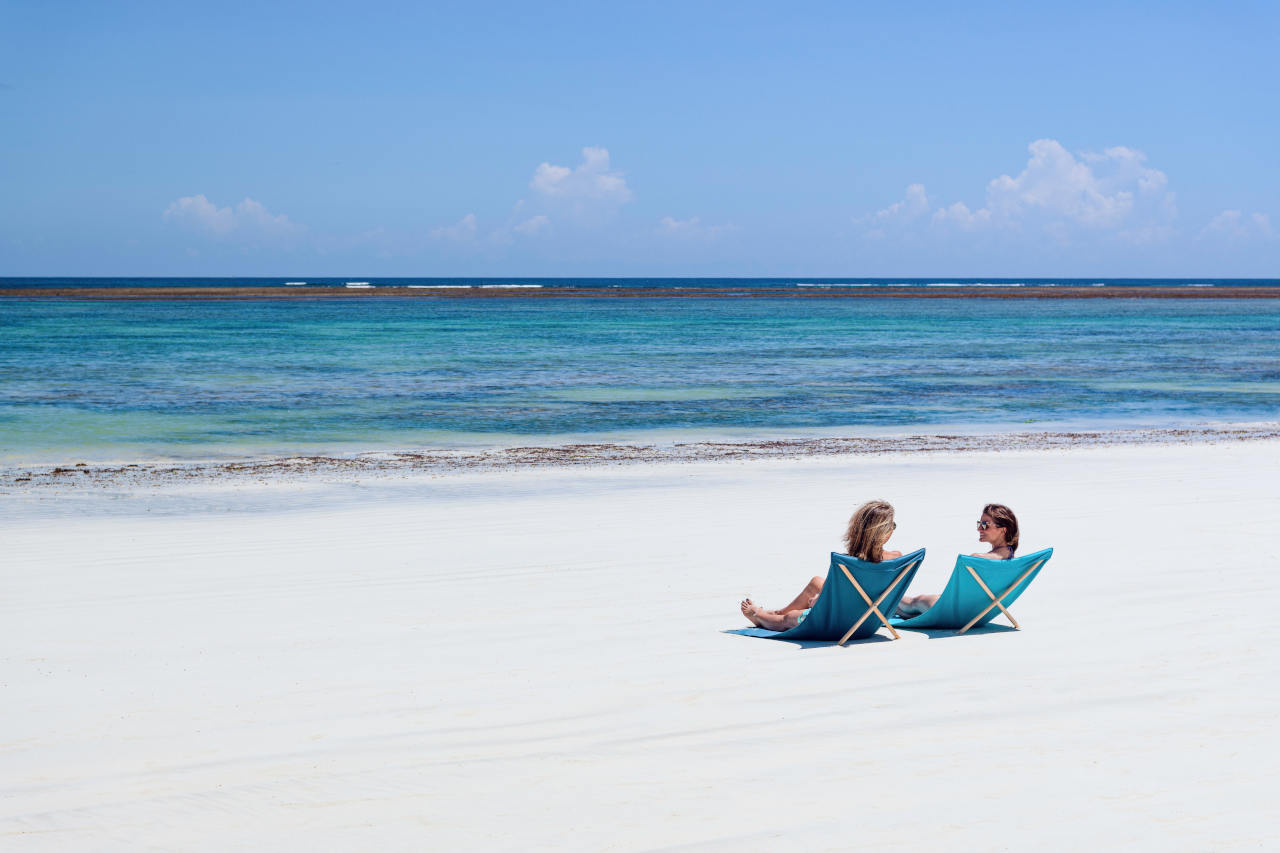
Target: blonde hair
x=869, y=528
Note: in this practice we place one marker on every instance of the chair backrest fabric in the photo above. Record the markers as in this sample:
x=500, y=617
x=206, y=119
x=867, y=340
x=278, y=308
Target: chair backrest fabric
x=964, y=599
x=839, y=606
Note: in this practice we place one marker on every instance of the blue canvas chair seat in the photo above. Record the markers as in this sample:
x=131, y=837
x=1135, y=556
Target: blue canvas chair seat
x=855, y=601
x=978, y=591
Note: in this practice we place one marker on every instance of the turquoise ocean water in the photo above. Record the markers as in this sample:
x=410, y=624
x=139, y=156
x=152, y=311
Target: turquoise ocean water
x=747, y=284
x=143, y=380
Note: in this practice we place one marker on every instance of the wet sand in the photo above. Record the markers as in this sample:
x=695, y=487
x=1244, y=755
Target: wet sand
x=72, y=475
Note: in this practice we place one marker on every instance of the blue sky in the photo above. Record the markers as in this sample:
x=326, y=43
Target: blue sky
x=638, y=139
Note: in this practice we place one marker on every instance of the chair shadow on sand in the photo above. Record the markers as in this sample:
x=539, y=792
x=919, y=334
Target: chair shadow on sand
x=815, y=644
x=875, y=639
x=947, y=633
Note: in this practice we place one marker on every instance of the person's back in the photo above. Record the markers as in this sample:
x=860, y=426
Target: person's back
x=869, y=530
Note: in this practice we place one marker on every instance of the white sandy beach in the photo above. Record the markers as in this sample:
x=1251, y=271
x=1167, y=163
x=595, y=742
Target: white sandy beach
x=535, y=660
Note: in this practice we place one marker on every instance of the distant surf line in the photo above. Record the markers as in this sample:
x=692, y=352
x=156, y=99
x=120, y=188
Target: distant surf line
x=356, y=290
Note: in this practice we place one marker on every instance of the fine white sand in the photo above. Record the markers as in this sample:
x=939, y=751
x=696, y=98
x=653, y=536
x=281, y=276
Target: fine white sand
x=534, y=660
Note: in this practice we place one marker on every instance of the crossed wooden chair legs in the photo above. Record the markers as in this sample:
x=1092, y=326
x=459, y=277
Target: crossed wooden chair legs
x=874, y=606
x=996, y=599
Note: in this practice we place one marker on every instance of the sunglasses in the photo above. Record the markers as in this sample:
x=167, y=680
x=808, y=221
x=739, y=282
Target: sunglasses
x=983, y=525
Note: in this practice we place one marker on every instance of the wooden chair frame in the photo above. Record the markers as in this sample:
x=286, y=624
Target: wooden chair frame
x=996, y=599
x=874, y=606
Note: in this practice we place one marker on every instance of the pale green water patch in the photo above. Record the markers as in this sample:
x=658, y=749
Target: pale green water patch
x=80, y=376
x=654, y=395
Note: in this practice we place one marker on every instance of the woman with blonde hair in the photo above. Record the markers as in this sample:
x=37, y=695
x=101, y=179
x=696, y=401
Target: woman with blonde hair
x=869, y=529
x=998, y=529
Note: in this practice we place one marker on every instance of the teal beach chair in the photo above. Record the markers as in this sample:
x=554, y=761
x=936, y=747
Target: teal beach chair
x=970, y=598
x=855, y=591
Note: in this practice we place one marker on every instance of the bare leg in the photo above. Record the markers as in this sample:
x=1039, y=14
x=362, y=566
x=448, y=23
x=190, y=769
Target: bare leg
x=807, y=596
x=914, y=605
x=787, y=617
x=773, y=620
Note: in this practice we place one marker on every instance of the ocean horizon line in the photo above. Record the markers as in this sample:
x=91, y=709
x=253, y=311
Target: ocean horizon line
x=620, y=282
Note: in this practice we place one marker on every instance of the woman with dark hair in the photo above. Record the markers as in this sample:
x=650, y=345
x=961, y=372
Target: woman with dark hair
x=869, y=529
x=998, y=529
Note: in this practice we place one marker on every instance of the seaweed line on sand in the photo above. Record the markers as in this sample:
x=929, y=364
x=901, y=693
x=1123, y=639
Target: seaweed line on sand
x=294, y=468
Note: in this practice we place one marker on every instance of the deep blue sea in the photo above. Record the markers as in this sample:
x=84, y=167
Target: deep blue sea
x=636, y=283
x=157, y=379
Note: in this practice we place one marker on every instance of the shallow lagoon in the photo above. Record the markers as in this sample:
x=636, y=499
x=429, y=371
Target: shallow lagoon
x=199, y=379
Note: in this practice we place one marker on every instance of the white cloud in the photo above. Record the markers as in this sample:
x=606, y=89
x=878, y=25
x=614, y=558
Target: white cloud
x=1234, y=226
x=914, y=205
x=198, y=213
x=692, y=227
x=959, y=215
x=1152, y=181
x=1057, y=184
x=460, y=232
x=671, y=225
x=534, y=225
x=247, y=220
x=1057, y=195
x=584, y=197
x=1127, y=165
x=592, y=180
x=550, y=179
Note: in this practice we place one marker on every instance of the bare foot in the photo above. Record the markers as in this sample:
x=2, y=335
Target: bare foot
x=749, y=610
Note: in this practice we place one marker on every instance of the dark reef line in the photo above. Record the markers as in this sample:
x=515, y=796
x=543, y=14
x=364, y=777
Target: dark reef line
x=290, y=294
